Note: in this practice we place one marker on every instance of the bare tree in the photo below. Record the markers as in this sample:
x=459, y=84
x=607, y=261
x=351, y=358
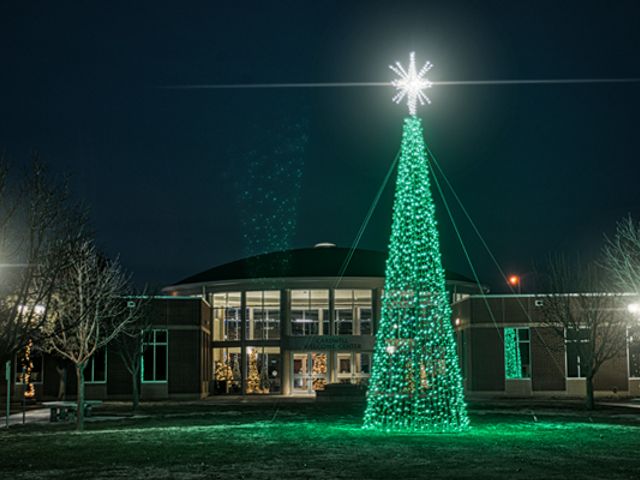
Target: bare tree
x=37, y=218
x=588, y=319
x=87, y=310
x=622, y=256
x=130, y=343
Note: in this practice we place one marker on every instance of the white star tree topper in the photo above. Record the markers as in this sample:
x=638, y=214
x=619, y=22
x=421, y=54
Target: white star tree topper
x=411, y=83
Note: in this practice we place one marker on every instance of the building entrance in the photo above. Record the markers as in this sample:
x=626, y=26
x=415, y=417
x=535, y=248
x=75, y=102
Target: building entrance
x=353, y=367
x=310, y=371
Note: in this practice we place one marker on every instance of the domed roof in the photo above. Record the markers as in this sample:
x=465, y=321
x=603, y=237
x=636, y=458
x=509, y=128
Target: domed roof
x=322, y=261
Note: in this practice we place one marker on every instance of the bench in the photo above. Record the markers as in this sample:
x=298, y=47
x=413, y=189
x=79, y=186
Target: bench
x=62, y=410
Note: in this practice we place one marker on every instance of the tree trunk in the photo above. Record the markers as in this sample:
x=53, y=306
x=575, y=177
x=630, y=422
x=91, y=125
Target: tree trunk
x=135, y=392
x=80, y=409
x=590, y=404
x=62, y=385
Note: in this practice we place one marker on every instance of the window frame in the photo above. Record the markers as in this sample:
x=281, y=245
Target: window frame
x=91, y=362
x=271, y=317
x=579, y=375
x=354, y=305
x=311, y=305
x=224, y=303
x=629, y=336
x=153, y=345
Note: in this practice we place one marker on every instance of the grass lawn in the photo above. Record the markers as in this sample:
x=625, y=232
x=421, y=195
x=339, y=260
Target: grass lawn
x=318, y=441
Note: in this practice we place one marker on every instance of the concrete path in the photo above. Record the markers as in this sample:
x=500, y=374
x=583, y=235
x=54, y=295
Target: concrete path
x=39, y=415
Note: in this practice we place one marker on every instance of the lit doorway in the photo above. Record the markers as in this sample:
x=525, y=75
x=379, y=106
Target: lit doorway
x=352, y=367
x=309, y=372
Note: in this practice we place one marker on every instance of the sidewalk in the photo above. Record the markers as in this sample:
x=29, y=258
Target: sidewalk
x=38, y=415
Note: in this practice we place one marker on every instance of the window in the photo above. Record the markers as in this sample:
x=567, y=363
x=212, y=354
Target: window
x=263, y=370
x=363, y=368
x=366, y=320
x=226, y=316
x=353, y=312
x=634, y=352
x=154, y=358
x=576, y=341
x=310, y=312
x=227, y=367
x=517, y=353
x=95, y=371
x=344, y=321
x=263, y=315
x=353, y=367
x=310, y=372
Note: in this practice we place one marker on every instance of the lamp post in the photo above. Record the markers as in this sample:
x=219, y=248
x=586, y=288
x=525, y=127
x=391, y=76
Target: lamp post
x=515, y=281
x=7, y=375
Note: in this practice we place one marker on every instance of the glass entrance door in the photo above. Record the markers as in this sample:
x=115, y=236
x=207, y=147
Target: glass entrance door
x=309, y=372
x=344, y=367
x=353, y=367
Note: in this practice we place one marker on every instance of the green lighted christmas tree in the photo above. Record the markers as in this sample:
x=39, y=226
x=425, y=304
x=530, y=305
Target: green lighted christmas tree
x=415, y=383
x=512, y=360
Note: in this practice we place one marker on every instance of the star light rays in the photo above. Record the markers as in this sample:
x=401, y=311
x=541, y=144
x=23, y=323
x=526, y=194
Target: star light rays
x=411, y=83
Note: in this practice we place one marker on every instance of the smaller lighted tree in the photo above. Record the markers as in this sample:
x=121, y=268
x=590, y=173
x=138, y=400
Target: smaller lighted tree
x=319, y=371
x=223, y=373
x=253, y=378
x=512, y=359
x=26, y=362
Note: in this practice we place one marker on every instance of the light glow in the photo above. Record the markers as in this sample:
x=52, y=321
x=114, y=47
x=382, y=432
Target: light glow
x=411, y=83
x=512, y=358
x=416, y=382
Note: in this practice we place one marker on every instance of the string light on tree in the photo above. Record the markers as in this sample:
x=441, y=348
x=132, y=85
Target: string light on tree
x=253, y=378
x=223, y=375
x=27, y=369
x=416, y=383
x=512, y=359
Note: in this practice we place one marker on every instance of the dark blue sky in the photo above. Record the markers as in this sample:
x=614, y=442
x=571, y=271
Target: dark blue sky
x=177, y=179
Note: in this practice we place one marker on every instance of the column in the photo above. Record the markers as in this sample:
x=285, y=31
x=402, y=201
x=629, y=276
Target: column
x=243, y=342
x=285, y=329
x=332, y=313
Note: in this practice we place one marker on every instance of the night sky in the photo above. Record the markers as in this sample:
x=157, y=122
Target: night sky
x=181, y=180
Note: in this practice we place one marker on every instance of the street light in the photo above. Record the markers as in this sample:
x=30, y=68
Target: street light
x=634, y=308
x=514, y=281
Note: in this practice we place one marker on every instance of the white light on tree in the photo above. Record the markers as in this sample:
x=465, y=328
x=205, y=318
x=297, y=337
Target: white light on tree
x=411, y=83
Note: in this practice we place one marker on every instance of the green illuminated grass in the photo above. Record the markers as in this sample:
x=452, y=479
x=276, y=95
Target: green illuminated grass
x=317, y=441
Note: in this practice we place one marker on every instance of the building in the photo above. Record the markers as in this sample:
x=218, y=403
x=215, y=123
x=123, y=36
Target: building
x=546, y=365
x=293, y=322
x=280, y=323
x=176, y=361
